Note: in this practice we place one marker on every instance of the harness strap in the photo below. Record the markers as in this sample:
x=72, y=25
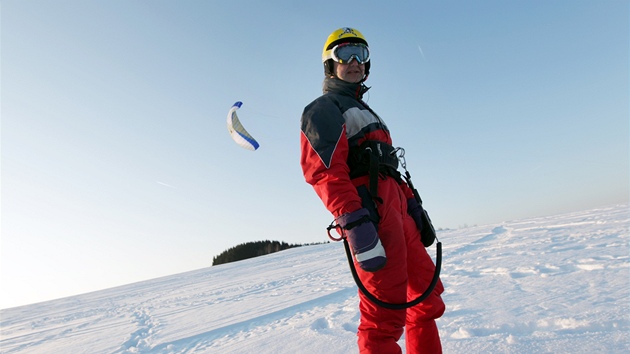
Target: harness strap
x=374, y=172
x=374, y=159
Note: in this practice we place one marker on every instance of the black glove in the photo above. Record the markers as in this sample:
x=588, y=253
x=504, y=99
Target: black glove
x=361, y=233
x=423, y=222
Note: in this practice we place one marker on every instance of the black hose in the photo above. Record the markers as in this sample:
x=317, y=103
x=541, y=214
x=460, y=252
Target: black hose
x=406, y=305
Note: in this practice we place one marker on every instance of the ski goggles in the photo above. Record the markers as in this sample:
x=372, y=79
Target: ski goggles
x=345, y=52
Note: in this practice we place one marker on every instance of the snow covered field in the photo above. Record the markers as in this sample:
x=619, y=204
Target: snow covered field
x=557, y=284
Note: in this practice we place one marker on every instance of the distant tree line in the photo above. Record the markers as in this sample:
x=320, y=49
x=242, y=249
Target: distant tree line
x=250, y=250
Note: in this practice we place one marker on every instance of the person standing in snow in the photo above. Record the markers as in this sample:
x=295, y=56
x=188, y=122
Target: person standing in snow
x=341, y=139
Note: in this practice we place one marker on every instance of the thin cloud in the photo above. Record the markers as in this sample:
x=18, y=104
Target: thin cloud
x=421, y=52
x=164, y=184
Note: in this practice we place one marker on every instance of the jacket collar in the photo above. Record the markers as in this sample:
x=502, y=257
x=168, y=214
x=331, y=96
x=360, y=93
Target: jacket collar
x=335, y=85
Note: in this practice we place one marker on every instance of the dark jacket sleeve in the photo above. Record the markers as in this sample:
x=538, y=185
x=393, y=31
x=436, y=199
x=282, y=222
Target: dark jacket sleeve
x=324, y=154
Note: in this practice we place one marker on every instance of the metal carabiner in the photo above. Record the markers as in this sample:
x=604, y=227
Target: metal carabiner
x=401, y=157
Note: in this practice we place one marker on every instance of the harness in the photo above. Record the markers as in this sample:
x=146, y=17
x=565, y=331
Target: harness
x=378, y=159
x=375, y=159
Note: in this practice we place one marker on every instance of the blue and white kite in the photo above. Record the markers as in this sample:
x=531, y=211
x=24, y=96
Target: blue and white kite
x=238, y=133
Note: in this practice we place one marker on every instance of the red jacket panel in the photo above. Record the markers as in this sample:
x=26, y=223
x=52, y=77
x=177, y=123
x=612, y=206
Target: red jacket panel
x=331, y=125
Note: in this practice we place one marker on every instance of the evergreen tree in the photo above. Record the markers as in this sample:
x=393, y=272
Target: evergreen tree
x=250, y=250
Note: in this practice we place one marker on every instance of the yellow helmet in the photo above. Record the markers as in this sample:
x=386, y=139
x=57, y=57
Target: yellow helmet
x=341, y=35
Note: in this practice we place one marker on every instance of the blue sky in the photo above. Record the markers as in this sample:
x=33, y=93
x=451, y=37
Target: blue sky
x=117, y=165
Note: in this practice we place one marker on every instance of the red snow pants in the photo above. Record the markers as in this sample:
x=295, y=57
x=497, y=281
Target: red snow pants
x=406, y=276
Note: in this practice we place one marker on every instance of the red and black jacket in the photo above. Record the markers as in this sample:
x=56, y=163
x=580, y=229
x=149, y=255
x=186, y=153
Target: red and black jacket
x=331, y=125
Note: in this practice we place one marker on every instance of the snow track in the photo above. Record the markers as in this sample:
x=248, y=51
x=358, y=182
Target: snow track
x=557, y=284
